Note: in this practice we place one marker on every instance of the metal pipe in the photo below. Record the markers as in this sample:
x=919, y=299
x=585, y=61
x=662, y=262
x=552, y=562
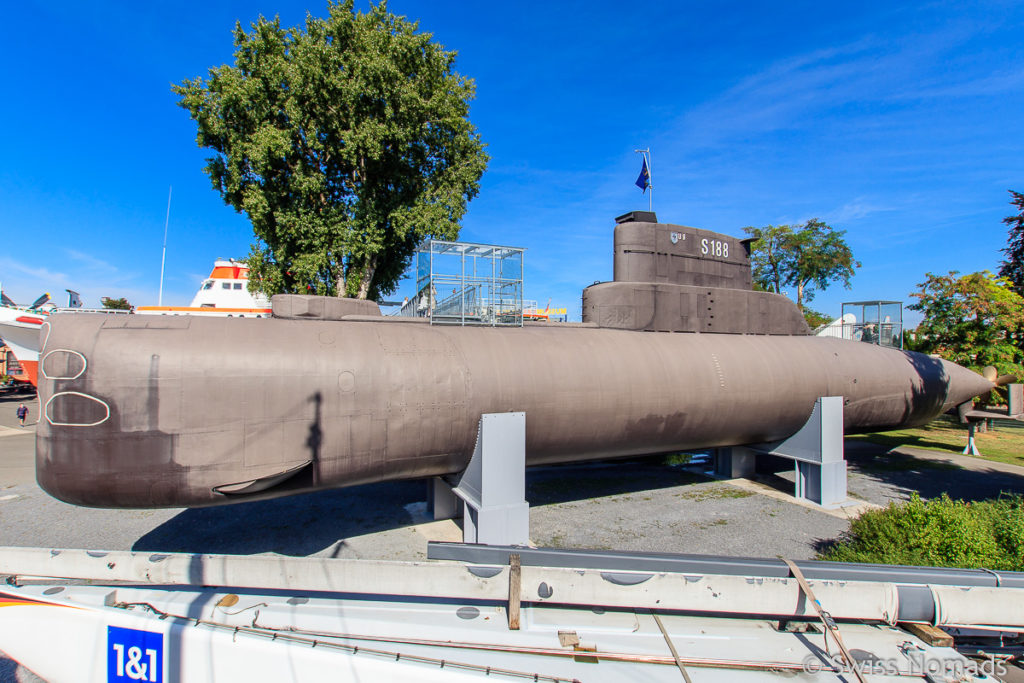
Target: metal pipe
x=721, y=565
x=665, y=591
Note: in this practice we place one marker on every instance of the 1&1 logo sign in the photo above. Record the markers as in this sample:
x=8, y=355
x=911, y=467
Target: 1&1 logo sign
x=134, y=656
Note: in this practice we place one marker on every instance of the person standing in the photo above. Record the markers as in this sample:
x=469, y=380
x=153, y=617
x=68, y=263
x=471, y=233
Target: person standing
x=22, y=414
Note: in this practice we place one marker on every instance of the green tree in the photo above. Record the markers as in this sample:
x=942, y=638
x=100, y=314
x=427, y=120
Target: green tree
x=345, y=143
x=913, y=341
x=116, y=304
x=809, y=257
x=1013, y=267
x=970, y=320
x=816, y=319
x=768, y=256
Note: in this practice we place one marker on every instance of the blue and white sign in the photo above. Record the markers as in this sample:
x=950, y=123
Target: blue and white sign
x=134, y=656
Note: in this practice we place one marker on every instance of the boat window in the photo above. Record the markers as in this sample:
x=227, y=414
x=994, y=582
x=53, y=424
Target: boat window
x=238, y=285
x=225, y=285
x=208, y=284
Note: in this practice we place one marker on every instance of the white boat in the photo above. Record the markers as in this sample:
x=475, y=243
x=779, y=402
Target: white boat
x=840, y=328
x=19, y=328
x=166, y=617
x=223, y=293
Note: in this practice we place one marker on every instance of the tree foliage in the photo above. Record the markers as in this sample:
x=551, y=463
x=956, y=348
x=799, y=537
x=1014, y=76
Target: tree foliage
x=1013, y=267
x=116, y=304
x=816, y=319
x=809, y=257
x=971, y=320
x=345, y=143
x=767, y=256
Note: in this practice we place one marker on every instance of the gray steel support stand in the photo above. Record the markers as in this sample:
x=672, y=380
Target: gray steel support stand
x=816, y=450
x=735, y=462
x=493, y=486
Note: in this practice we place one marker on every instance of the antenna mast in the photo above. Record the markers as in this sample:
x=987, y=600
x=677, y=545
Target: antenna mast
x=163, y=256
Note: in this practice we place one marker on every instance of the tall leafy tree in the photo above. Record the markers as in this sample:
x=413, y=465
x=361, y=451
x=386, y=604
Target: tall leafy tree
x=970, y=320
x=346, y=143
x=808, y=257
x=1013, y=267
x=768, y=256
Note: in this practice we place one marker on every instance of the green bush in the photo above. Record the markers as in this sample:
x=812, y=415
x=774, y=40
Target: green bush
x=938, y=533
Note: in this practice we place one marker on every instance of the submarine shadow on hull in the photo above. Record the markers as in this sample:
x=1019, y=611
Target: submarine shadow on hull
x=903, y=474
x=311, y=523
x=929, y=384
x=933, y=377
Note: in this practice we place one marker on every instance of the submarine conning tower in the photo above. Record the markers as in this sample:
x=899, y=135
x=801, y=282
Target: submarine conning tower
x=674, y=278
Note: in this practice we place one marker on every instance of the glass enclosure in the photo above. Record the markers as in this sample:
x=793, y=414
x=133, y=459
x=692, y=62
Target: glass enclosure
x=467, y=284
x=873, y=322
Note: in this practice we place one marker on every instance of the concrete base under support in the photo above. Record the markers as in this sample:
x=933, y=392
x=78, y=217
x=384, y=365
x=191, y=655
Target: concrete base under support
x=492, y=488
x=816, y=450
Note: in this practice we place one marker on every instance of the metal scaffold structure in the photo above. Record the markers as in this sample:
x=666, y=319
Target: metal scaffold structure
x=462, y=283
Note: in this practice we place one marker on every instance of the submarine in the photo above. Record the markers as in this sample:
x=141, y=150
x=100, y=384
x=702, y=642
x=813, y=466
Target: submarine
x=677, y=352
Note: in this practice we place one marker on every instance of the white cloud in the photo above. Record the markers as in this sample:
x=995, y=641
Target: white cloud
x=90, y=261
x=37, y=272
x=873, y=74
x=855, y=210
x=24, y=282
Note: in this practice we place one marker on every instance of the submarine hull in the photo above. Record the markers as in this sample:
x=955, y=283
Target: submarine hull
x=143, y=411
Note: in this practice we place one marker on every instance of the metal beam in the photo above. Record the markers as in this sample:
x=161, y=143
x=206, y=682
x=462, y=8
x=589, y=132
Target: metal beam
x=717, y=564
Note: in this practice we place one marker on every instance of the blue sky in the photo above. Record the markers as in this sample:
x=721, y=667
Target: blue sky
x=897, y=123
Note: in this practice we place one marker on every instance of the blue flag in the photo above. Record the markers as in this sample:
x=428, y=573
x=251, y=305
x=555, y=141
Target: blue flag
x=644, y=181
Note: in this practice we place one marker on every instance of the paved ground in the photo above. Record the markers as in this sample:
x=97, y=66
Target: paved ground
x=643, y=504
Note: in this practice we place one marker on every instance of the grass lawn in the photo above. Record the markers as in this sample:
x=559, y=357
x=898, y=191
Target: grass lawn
x=1004, y=443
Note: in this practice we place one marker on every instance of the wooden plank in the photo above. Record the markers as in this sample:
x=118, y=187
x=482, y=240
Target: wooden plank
x=930, y=635
x=515, y=587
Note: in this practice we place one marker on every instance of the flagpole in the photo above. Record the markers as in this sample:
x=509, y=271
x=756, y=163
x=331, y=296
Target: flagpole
x=650, y=175
x=163, y=256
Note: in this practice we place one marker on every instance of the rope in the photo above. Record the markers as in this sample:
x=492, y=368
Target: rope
x=826, y=618
x=675, y=655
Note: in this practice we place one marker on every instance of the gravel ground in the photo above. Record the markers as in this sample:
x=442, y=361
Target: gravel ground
x=642, y=504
